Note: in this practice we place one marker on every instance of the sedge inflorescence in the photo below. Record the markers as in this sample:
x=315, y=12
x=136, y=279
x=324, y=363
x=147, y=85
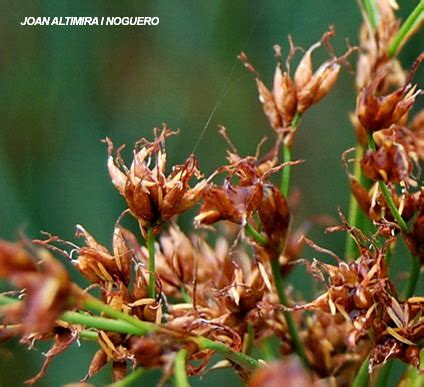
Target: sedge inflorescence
x=171, y=299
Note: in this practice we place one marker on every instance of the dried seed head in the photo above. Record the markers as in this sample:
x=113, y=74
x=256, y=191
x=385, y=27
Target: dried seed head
x=98, y=265
x=152, y=196
x=98, y=361
x=389, y=163
x=380, y=112
x=284, y=93
x=46, y=282
x=275, y=216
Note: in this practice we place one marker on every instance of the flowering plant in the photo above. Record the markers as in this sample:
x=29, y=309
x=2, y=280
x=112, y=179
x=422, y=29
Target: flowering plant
x=171, y=300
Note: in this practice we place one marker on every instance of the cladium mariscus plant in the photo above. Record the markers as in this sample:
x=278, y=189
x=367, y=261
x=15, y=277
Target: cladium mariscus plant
x=163, y=298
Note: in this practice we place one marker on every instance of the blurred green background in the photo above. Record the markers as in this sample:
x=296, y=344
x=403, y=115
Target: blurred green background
x=62, y=89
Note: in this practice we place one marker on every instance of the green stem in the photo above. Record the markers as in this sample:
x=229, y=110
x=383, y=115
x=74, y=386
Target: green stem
x=130, y=379
x=101, y=323
x=362, y=377
x=239, y=358
x=387, y=196
x=296, y=120
x=414, y=273
x=285, y=181
x=354, y=215
x=144, y=327
x=86, y=334
x=371, y=10
x=132, y=325
x=291, y=325
x=249, y=339
x=89, y=321
x=180, y=372
x=255, y=234
x=267, y=350
x=285, y=178
x=279, y=283
x=150, y=242
x=408, y=26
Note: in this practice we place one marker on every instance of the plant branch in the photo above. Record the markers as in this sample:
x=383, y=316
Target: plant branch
x=150, y=242
x=285, y=178
x=291, y=325
x=132, y=325
x=143, y=327
x=387, y=196
x=371, y=11
x=180, y=372
x=414, y=271
x=413, y=20
x=239, y=358
x=248, y=343
x=96, y=322
x=250, y=230
x=355, y=214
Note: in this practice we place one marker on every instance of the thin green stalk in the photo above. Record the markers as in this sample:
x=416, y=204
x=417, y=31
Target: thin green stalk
x=101, y=323
x=249, y=339
x=355, y=214
x=414, y=271
x=150, y=242
x=387, y=196
x=185, y=296
x=413, y=20
x=129, y=379
x=131, y=325
x=255, y=234
x=279, y=283
x=180, y=373
x=285, y=181
x=144, y=327
x=371, y=10
x=362, y=376
x=285, y=178
x=239, y=358
x=267, y=350
x=88, y=335
x=291, y=325
x=89, y=321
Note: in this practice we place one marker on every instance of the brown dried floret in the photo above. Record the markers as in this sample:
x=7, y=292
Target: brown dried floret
x=63, y=338
x=290, y=96
x=377, y=112
x=46, y=282
x=98, y=265
x=152, y=196
x=389, y=162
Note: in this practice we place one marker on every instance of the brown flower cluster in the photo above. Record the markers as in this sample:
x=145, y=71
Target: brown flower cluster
x=163, y=294
x=292, y=96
